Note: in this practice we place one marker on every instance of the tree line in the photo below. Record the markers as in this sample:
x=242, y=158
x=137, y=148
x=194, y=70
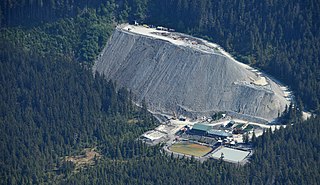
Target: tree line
x=54, y=108
x=279, y=37
x=51, y=105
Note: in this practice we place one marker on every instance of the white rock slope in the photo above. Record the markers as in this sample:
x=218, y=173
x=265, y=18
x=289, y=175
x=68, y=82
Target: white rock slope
x=171, y=76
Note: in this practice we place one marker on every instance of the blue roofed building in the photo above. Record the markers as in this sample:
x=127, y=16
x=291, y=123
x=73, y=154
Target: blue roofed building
x=218, y=133
x=205, y=129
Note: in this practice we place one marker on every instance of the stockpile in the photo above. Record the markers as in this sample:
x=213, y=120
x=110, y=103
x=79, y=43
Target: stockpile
x=170, y=77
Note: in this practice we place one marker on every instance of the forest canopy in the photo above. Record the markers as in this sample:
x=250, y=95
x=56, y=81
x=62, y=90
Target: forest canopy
x=52, y=106
x=279, y=37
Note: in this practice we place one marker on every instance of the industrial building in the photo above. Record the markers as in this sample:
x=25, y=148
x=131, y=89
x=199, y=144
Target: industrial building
x=218, y=133
x=200, y=129
x=204, y=129
x=230, y=154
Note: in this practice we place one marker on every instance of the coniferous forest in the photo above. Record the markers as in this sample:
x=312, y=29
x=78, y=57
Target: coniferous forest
x=52, y=106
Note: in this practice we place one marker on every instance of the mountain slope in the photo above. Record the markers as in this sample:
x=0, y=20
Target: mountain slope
x=172, y=77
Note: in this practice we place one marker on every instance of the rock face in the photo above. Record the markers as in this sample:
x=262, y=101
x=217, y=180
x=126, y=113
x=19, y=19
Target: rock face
x=172, y=77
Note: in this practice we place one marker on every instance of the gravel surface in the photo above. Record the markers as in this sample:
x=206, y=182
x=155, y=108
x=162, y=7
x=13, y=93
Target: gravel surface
x=170, y=76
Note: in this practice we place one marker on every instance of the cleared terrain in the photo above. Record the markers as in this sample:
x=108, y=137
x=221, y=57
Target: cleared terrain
x=177, y=72
x=191, y=149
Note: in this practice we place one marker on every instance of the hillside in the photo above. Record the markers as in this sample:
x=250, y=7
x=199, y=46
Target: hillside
x=53, y=109
x=171, y=74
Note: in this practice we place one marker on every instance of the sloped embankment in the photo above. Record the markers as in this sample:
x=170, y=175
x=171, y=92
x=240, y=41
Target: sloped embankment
x=172, y=77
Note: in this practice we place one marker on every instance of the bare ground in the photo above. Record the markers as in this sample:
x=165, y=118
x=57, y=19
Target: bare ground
x=87, y=159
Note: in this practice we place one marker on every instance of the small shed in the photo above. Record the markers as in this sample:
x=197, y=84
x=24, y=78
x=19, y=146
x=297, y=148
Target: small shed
x=182, y=118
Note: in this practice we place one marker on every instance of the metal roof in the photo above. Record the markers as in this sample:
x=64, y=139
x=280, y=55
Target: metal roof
x=201, y=126
x=230, y=154
x=219, y=133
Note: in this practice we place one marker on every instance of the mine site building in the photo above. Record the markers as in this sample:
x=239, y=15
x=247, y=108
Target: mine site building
x=204, y=129
x=218, y=133
x=200, y=129
x=182, y=118
x=162, y=28
x=159, y=28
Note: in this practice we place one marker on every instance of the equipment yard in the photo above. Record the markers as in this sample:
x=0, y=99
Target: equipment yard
x=227, y=138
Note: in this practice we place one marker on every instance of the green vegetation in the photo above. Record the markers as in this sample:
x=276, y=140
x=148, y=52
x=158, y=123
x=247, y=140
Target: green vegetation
x=190, y=149
x=52, y=107
x=289, y=156
x=80, y=38
x=279, y=37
